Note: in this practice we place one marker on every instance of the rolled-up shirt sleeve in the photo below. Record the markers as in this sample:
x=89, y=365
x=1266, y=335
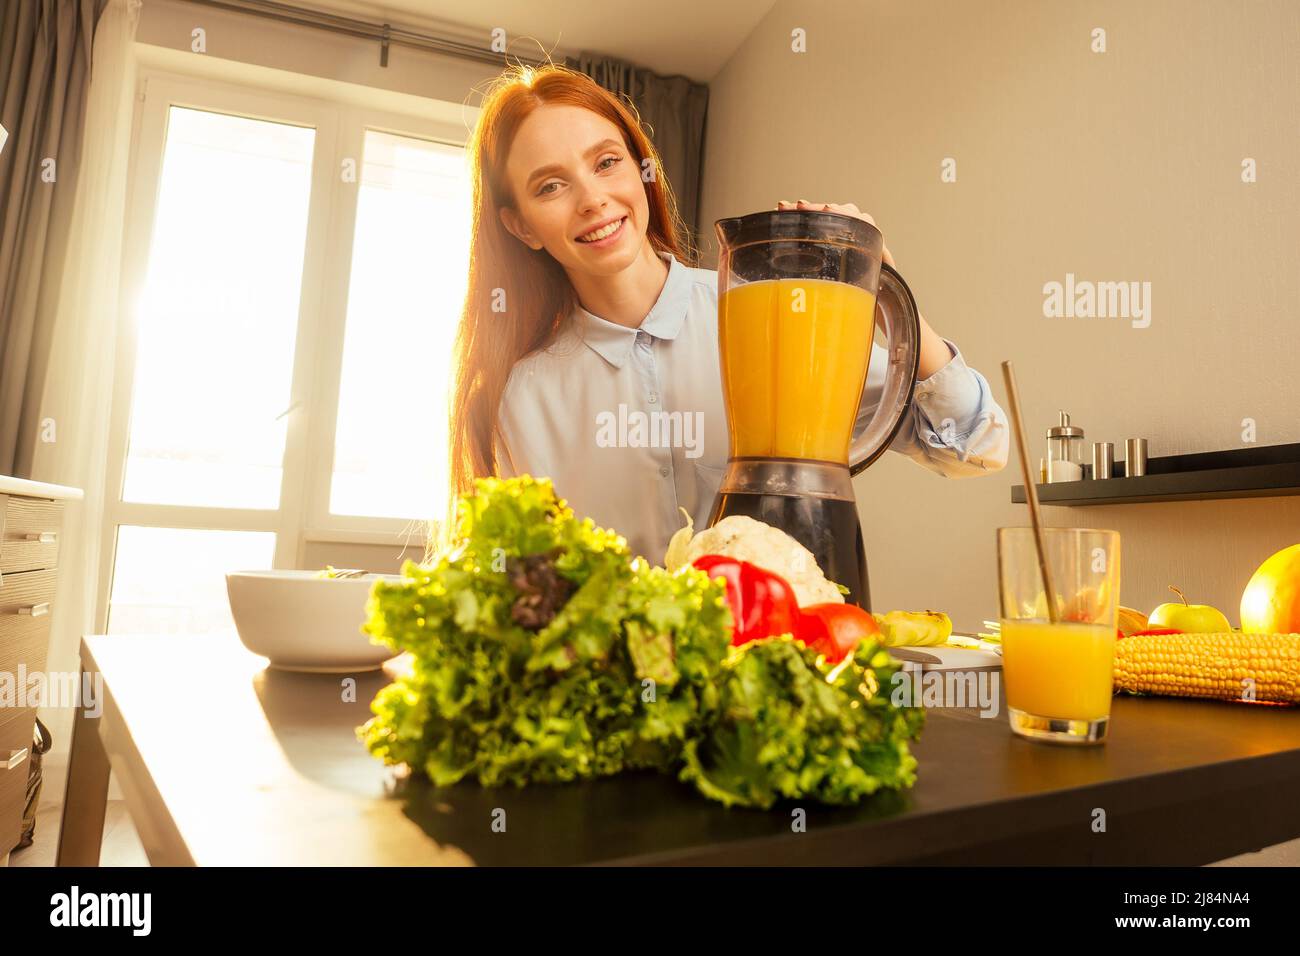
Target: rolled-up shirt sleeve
x=953, y=427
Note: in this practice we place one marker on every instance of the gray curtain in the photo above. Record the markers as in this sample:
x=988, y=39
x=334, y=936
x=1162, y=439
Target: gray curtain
x=673, y=111
x=45, y=51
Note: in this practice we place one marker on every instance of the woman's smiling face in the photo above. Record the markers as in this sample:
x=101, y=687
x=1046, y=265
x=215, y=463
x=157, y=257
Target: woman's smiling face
x=578, y=190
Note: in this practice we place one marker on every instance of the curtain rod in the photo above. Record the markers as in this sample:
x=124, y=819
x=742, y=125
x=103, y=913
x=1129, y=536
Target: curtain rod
x=383, y=33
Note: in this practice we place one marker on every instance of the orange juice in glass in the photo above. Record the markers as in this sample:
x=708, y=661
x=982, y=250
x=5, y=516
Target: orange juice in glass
x=1059, y=674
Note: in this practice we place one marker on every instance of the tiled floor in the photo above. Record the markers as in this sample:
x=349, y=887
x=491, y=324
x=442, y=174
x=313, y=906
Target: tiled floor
x=122, y=846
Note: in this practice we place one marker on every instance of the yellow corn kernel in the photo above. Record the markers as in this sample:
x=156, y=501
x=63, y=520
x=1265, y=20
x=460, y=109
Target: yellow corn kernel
x=1223, y=666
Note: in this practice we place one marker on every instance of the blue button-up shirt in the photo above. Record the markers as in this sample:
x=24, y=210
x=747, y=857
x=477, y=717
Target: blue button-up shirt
x=583, y=413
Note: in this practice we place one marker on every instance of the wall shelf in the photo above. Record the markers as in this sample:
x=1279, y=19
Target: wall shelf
x=1265, y=472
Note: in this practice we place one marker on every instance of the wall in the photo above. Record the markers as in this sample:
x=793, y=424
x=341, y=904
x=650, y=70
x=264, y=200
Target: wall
x=1122, y=165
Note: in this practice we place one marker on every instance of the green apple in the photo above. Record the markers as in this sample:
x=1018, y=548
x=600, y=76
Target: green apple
x=1190, y=618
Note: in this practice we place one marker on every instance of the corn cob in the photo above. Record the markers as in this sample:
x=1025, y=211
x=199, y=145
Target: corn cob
x=1224, y=666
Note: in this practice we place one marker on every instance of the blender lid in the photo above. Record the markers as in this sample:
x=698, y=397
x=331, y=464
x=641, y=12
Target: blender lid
x=801, y=243
x=815, y=225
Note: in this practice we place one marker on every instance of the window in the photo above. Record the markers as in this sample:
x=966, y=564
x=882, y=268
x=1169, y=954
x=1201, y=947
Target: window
x=404, y=300
x=170, y=580
x=284, y=373
x=219, y=313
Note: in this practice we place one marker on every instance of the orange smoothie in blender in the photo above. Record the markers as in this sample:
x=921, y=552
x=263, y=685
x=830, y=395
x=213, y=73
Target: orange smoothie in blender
x=794, y=361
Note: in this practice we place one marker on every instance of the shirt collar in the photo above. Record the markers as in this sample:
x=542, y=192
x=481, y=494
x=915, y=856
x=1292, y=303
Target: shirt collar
x=613, y=342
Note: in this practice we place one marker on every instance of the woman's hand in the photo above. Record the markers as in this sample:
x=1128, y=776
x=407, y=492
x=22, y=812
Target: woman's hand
x=847, y=209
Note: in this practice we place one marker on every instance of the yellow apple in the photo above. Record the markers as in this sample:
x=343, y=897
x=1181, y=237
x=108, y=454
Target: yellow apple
x=1191, y=618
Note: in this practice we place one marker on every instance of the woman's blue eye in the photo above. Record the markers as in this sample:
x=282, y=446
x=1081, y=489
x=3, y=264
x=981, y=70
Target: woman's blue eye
x=609, y=159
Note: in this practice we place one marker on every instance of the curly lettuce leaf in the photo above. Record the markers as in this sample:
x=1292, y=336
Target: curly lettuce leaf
x=791, y=726
x=617, y=679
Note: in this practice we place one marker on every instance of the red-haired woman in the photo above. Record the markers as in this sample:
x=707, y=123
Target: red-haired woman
x=583, y=297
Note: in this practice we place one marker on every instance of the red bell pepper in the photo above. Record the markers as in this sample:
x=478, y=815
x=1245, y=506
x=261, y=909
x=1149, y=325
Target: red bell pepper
x=835, y=630
x=762, y=603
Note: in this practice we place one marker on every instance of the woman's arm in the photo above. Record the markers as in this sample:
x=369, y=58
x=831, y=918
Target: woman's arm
x=957, y=429
x=954, y=427
x=935, y=353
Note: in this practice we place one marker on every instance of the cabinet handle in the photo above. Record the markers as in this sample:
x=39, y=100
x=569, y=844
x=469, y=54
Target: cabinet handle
x=44, y=537
x=15, y=758
x=36, y=610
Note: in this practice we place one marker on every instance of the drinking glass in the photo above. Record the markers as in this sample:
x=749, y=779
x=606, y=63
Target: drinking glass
x=1059, y=673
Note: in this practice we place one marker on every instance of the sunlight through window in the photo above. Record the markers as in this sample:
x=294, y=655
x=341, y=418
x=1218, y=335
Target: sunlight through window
x=173, y=580
x=218, y=315
x=410, y=258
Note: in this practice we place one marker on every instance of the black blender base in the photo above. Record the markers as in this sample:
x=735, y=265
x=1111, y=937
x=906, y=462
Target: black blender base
x=827, y=527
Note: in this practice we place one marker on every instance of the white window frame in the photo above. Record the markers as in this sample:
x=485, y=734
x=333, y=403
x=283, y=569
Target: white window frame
x=303, y=515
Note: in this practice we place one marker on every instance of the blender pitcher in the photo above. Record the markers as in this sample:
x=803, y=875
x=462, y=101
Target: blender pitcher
x=802, y=296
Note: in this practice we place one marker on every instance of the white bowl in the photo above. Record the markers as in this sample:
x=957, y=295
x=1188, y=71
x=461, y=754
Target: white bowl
x=303, y=622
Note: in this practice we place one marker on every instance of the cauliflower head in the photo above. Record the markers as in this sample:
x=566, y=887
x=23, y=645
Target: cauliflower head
x=758, y=543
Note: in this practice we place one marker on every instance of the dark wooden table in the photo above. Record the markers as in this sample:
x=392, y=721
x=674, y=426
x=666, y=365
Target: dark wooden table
x=224, y=762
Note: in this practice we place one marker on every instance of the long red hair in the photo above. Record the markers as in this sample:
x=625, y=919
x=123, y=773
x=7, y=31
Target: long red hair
x=537, y=293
